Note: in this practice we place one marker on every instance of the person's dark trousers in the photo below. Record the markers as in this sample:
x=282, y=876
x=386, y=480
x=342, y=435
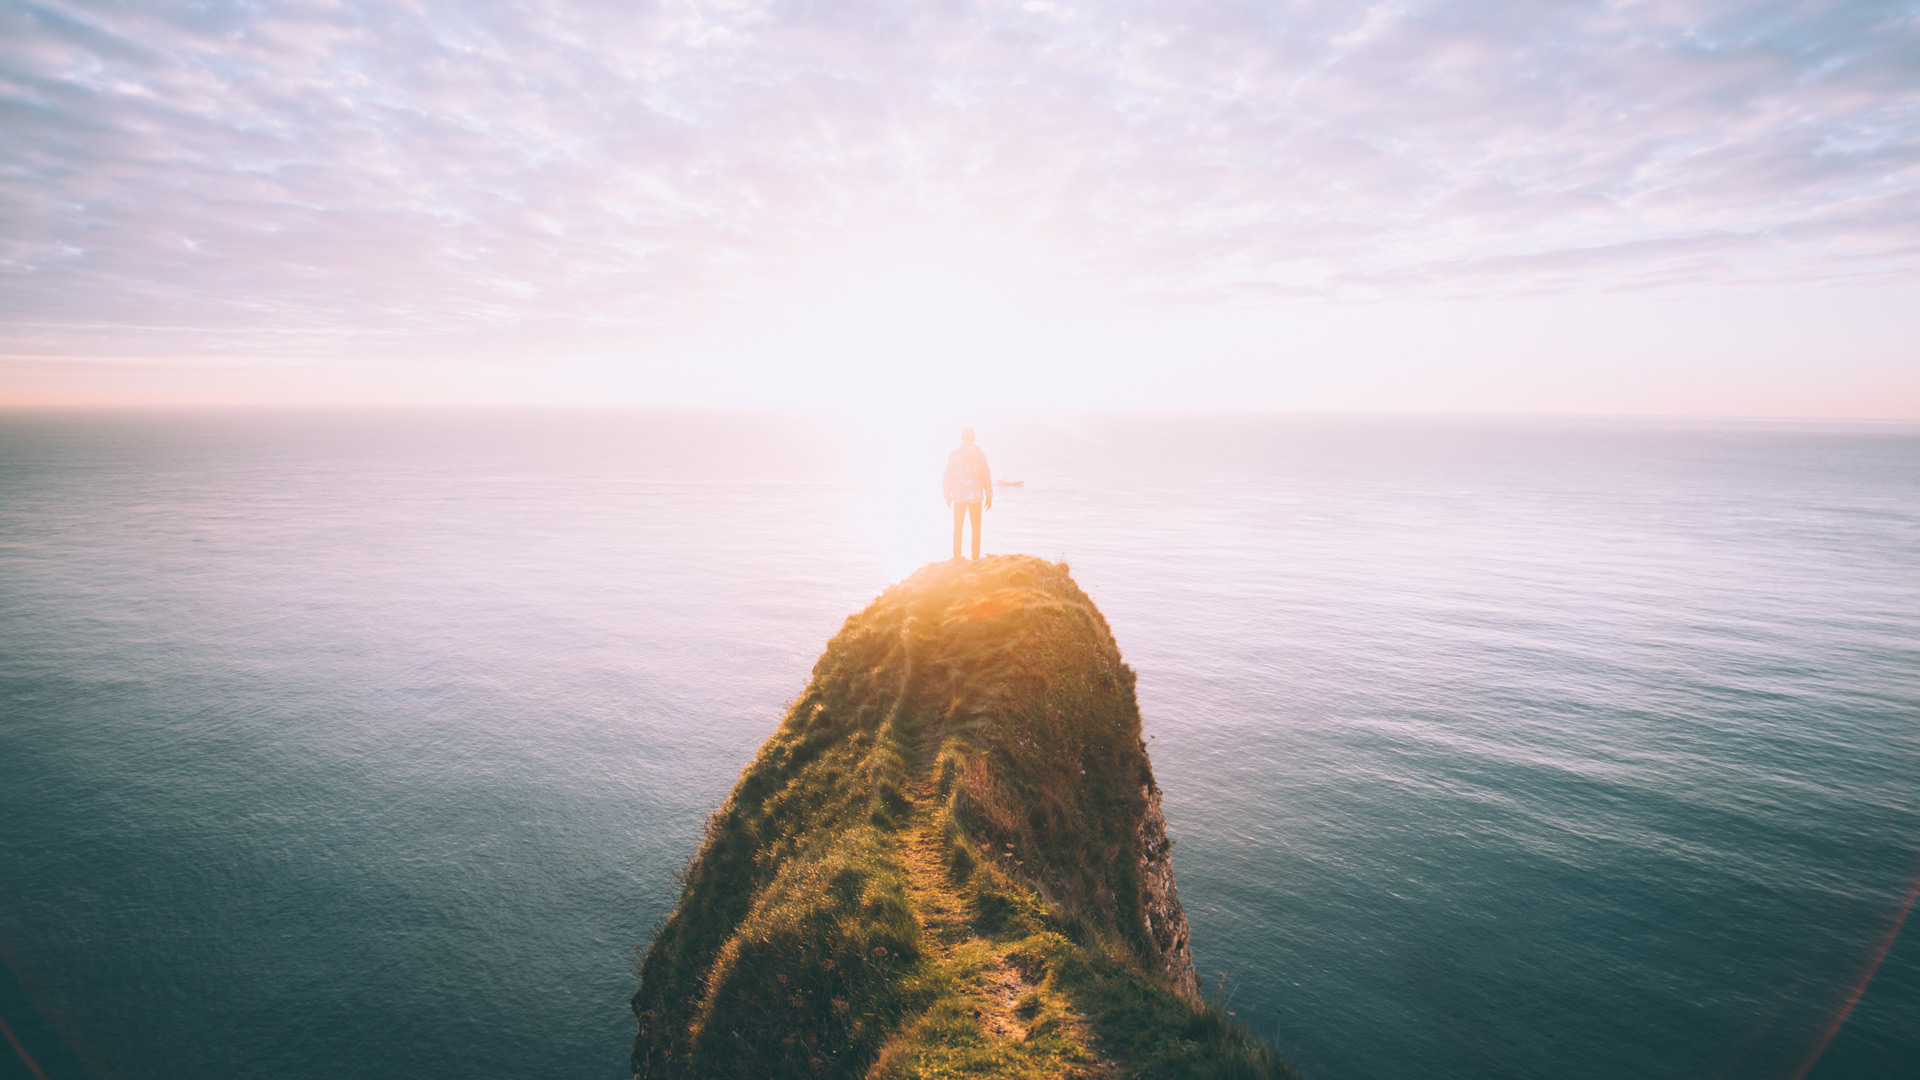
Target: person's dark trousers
x=960, y=512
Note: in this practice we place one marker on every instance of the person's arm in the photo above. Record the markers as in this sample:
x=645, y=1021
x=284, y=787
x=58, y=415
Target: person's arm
x=986, y=475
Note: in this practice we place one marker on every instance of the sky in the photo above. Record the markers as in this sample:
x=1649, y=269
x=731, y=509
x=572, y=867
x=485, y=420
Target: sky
x=1665, y=207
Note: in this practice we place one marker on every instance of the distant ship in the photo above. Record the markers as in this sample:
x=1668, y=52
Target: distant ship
x=1010, y=483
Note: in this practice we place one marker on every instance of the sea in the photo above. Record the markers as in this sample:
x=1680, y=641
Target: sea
x=368, y=744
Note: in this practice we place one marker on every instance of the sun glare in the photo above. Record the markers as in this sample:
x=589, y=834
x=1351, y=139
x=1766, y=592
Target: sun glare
x=894, y=463
x=914, y=327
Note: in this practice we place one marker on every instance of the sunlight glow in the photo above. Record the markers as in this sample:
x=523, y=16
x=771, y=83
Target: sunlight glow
x=895, y=346
x=919, y=326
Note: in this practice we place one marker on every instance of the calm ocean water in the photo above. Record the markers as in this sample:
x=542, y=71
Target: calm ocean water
x=337, y=746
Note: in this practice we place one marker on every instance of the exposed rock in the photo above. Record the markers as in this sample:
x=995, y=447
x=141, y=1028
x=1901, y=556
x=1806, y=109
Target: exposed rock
x=1166, y=920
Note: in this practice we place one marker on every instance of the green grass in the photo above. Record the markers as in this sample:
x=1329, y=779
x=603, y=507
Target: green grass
x=937, y=866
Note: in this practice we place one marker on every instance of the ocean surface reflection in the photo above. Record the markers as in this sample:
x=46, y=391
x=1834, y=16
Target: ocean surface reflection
x=368, y=745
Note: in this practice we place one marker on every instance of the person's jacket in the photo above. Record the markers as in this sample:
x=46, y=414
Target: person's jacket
x=968, y=478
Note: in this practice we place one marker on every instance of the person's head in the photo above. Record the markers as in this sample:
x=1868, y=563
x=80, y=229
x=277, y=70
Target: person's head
x=966, y=434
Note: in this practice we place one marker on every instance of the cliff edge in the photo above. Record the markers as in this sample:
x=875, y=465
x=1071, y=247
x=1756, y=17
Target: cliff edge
x=948, y=861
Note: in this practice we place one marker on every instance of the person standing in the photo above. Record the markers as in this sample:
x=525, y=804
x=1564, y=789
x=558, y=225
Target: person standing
x=969, y=483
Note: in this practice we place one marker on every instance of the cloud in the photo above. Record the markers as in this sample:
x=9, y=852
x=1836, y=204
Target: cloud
x=286, y=177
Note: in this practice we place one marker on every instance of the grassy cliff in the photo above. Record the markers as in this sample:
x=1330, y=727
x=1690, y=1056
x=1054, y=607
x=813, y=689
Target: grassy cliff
x=948, y=861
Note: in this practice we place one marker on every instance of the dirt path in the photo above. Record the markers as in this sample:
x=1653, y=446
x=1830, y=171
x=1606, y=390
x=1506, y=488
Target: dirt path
x=944, y=913
x=1027, y=1030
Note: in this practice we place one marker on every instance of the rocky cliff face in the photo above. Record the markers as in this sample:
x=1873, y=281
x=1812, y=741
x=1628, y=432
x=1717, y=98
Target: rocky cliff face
x=950, y=859
x=1166, y=921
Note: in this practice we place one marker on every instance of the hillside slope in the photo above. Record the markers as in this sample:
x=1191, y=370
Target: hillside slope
x=948, y=861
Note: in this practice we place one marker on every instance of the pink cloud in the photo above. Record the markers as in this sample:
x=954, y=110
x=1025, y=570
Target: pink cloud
x=309, y=173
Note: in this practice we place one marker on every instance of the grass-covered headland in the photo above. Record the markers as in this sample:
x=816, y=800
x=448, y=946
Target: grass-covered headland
x=948, y=861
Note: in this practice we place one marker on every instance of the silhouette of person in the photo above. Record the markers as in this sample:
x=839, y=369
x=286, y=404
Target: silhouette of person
x=969, y=483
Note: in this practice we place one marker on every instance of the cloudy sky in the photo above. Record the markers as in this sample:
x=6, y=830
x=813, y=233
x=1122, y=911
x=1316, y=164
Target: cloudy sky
x=1659, y=207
